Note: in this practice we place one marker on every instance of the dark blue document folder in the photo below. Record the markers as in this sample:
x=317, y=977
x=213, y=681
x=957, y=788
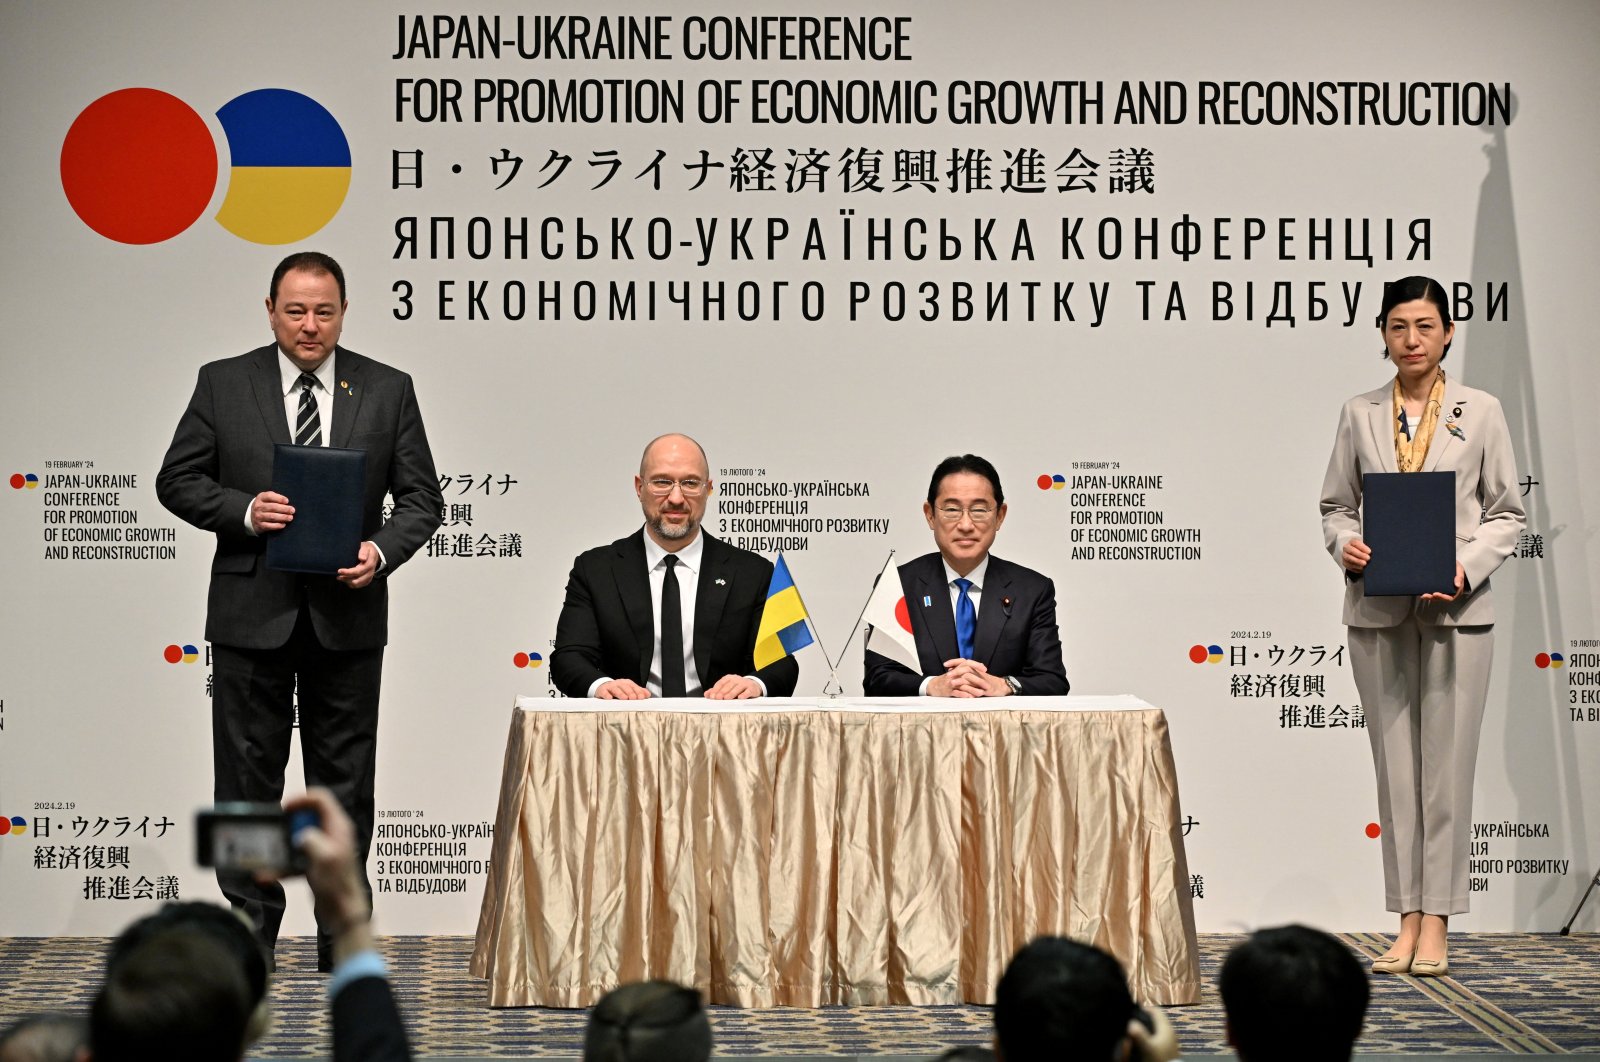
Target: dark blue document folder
x=1408, y=519
x=324, y=484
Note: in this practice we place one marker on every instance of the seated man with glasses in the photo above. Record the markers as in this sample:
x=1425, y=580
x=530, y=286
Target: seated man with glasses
x=984, y=627
x=667, y=611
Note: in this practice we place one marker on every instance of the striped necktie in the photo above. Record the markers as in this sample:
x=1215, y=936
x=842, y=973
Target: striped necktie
x=308, y=422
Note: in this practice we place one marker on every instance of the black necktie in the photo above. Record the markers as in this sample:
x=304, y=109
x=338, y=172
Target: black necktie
x=672, y=682
x=307, y=423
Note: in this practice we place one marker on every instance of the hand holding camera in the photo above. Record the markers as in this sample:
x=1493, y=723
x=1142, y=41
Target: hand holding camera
x=310, y=835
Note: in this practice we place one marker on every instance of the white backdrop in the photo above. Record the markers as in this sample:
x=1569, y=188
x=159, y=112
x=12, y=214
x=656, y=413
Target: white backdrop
x=537, y=423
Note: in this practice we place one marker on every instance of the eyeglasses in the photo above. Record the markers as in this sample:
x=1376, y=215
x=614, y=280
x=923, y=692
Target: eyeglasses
x=691, y=488
x=978, y=514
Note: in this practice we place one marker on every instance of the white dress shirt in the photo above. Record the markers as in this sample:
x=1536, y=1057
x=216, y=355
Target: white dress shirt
x=323, y=393
x=975, y=593
x=688, y=577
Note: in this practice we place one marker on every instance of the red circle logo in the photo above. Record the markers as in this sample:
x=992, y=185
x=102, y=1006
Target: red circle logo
x=138, y=166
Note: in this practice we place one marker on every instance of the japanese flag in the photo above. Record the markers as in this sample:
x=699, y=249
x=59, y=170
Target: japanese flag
x=890, y=631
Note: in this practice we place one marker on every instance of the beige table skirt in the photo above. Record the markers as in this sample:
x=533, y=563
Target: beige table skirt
x=850, y=853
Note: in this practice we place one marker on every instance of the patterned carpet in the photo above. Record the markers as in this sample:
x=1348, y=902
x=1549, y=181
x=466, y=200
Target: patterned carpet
x=1510, y=994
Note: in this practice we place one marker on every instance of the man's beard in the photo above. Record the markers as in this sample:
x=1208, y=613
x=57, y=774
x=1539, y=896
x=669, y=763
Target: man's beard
x=673, y=532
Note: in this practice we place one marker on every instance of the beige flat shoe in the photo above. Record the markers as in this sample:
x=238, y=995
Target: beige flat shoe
x=1393, y=964
x=1430, y=967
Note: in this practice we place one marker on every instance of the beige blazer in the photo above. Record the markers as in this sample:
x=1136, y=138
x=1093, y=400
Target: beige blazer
x=1489, y=515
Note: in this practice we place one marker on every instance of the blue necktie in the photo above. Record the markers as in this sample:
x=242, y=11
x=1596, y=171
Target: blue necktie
x=966, y=620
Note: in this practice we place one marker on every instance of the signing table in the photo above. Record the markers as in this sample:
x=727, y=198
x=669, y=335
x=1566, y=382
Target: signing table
x=814, y=852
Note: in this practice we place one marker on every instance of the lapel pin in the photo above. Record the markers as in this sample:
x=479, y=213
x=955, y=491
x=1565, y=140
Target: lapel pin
x=1456, y=412
x=722, y=582
x=1454, y=429
x=927, y=602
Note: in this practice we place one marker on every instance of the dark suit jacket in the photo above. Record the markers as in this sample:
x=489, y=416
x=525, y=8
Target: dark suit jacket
x=607, y=624
x=221, y=458
x=367, y=1025
x=1020, y=639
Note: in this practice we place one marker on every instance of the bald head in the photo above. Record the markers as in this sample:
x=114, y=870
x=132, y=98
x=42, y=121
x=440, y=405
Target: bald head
x=677, y=445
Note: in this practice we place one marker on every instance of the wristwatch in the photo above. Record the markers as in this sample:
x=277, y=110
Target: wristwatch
x=1015, y=683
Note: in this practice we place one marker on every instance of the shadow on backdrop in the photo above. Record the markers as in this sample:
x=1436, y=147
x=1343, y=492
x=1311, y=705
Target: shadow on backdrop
x=1536, y=744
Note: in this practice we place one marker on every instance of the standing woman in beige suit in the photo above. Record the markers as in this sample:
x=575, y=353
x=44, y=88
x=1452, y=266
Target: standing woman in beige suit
x=1421, y=664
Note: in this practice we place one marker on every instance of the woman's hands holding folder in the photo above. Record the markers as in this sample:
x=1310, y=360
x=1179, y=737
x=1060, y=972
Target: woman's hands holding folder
x=1461, y=579
x=1357, y=554
x=366, y=567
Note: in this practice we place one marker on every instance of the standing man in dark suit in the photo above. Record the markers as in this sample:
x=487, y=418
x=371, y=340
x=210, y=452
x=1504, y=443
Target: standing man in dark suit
x=633, y=627
x=272, y=632
x=984, y=627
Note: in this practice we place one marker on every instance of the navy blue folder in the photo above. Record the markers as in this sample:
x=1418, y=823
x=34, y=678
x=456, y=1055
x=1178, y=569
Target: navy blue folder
x=1409, y=521
x=324, y=484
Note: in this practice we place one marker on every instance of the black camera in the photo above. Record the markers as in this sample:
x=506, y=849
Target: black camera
x=252, y=837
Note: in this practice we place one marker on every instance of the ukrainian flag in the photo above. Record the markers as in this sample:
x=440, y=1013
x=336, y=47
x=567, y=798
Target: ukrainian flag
x=783, y=629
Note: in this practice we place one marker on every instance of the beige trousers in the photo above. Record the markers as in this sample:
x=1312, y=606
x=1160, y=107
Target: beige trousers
x=1423, y=689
